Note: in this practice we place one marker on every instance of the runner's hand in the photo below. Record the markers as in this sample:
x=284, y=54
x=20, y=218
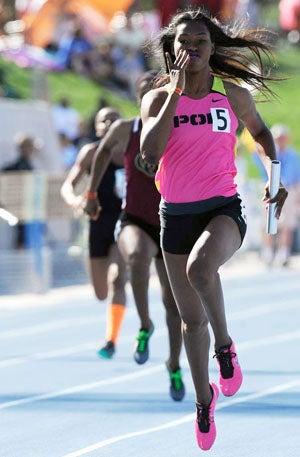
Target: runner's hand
x=279, y=198
x=92, y=208
x=177, y=69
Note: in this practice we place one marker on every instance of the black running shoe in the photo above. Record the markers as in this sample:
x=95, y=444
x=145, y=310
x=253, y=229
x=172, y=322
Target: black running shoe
x=107, y=351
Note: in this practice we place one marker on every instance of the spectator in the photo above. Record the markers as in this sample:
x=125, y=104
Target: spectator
x=73, y=50
x=66, y=119
x=101, y=64
x=128, y=69
x=130, y=34
x=279, y=247
x=68, y=151
x=26, y=147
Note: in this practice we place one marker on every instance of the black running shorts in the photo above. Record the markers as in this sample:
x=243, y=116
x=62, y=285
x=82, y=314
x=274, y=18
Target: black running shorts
x=179, y=233
x=101, y=234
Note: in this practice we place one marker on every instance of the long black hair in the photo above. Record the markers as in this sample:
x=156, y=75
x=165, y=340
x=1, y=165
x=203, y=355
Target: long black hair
x=241, y=54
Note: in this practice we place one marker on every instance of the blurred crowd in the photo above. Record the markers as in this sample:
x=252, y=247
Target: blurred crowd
x=117, y=56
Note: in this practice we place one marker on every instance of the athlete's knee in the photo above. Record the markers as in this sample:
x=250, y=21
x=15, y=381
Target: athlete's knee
x=195, y=326
x=201, y=273
x=116, y=278
x=101, y=293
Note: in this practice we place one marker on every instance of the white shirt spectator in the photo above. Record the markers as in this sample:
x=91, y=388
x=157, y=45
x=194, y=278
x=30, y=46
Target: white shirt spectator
x=66, y=119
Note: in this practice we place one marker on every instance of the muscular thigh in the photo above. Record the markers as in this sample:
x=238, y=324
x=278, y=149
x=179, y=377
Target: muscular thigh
x=187, y=300
x=133, y=241
x=217, y=243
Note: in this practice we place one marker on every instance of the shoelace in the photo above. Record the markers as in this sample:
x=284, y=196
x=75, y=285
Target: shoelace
x=203, y=417
x=224, y=357
x=142, y=338
x=176, y=380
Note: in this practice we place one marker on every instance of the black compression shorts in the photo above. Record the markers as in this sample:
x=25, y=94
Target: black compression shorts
x=179, y=233
x=101, y=234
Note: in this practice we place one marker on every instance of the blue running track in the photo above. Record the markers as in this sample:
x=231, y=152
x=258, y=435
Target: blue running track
x=58, y=399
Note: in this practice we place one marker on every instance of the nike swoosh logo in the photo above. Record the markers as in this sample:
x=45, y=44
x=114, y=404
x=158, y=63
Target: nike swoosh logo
x=216, y=100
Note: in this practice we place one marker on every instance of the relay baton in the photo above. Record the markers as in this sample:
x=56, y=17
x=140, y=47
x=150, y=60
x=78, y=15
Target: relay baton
x=274, y=186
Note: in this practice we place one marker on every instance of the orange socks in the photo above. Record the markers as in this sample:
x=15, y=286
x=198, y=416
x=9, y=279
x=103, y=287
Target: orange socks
x=115, y=315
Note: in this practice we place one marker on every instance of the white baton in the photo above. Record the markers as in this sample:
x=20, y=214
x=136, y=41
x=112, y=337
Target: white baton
x=274, y=186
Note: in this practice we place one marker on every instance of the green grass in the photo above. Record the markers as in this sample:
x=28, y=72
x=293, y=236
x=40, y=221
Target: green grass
x=85, y=94
x=286, y=109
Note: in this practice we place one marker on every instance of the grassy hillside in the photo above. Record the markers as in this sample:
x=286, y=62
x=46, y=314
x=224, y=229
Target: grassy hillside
x=287, y=108
x=85, y=94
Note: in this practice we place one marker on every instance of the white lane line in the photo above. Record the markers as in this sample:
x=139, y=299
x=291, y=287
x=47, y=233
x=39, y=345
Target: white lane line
x=52, y=326
x=184, y=419
x=269, y=340
x=58, y=325
x=61, y=296
x=48, y=354
x=92, y=345
x=78, y=321
x=263, y=309
x=247, y=345
x=62, y=352
x=83, y=387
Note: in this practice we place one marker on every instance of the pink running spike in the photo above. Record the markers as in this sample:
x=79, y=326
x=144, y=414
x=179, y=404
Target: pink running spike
x=230, y=374
x=205, y=427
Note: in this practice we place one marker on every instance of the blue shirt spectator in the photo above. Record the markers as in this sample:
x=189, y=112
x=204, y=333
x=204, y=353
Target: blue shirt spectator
x=289, y=158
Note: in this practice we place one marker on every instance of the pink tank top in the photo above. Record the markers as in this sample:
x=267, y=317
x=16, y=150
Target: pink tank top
x=199, y=160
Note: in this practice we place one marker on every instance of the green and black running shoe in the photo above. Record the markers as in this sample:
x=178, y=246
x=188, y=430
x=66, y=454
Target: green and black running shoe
x=141, y=349
x=177, y=388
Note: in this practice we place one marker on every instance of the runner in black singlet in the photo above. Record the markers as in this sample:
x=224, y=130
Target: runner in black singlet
x=106, y=265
